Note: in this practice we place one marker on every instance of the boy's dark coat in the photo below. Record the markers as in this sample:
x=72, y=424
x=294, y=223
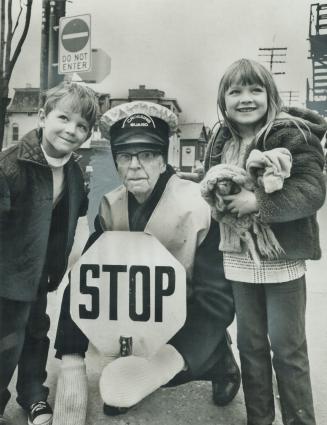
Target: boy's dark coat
x=26, y=215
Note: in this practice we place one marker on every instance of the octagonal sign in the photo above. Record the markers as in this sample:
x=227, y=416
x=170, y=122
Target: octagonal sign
x=127, y=284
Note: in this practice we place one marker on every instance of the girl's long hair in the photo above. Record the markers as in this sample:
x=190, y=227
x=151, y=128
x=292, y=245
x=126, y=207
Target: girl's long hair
x=247, y=71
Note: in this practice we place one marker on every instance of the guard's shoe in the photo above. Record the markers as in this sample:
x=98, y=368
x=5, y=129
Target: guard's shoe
x=39, y=413
x=227, y=379
x=113, y=410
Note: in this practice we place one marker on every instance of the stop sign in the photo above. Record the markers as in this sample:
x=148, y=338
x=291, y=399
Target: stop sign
x=128, y=285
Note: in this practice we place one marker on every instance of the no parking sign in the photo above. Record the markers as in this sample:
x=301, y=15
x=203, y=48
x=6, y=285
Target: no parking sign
x=74, y=44
x=128, y=285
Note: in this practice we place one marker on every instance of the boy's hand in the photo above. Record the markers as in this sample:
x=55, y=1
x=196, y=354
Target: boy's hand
x=241, y=203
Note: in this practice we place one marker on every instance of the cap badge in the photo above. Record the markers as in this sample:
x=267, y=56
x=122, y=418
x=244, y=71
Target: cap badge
x=138, y=120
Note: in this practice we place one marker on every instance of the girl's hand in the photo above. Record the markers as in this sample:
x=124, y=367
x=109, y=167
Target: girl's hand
x=241, y=203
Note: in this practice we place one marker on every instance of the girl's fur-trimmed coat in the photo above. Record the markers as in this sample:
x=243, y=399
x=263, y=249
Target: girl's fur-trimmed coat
x=291, y=212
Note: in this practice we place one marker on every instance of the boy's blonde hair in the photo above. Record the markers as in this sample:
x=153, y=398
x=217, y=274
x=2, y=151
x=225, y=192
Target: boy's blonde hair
x=82, y=99
x=247, y=71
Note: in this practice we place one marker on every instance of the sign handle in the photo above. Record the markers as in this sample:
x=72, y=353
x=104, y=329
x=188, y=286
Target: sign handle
x=126, y=346
x=126, y=349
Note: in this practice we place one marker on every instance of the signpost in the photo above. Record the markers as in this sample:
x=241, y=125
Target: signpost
x=74, y=44
x=127, y=284
x=101, y=64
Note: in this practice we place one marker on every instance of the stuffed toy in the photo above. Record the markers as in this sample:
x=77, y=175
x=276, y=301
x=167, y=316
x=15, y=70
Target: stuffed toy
x=264, y=169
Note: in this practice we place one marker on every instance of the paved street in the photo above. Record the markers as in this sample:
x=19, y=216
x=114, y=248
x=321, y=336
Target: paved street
x=191, y=404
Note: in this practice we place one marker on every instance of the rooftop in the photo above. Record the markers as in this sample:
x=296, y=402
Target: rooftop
x=154, y=95
x=25, y=100
x=193, y=131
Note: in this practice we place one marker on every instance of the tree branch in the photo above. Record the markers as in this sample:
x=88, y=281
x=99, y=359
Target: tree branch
x=17, y=20
x=9, y=39
x=2, y=37
x=22, y=38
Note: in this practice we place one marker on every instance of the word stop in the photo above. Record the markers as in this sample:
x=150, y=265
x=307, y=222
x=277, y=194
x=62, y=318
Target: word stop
x=138, y=281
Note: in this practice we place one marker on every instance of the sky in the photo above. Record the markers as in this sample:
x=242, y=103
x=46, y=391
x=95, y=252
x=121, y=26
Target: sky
x=183, y=47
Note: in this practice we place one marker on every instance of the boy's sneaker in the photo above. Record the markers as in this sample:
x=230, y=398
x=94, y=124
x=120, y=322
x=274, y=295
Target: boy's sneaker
x=39, y=413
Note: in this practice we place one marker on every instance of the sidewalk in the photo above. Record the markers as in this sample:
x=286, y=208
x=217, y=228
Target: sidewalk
x=191, y=404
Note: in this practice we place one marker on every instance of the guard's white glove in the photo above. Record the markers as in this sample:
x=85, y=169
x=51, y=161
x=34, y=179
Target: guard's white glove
x=127, y=380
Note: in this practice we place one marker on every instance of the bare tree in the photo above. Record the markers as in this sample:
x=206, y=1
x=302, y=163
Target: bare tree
x=8, y=52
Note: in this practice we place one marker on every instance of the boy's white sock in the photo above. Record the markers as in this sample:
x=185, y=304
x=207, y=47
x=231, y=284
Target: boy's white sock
x=127, y=380
x=71, y=396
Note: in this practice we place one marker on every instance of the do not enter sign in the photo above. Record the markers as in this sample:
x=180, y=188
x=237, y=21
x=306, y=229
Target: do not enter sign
x=74, y=44
x=128, y=285
x=75, y=35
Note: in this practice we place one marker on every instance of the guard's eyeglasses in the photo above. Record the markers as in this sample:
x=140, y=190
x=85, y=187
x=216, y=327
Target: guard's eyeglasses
x=144, y=157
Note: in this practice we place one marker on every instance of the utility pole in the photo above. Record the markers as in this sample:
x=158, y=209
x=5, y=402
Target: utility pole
x=290, y=95
x=272, y=53
x=52, y=11
x=44, y=49
x=53, y=45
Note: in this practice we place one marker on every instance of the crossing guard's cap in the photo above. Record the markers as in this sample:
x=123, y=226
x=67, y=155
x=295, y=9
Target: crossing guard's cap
x=138, y=124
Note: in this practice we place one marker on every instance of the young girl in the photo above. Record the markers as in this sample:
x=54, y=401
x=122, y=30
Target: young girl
x=270, y=297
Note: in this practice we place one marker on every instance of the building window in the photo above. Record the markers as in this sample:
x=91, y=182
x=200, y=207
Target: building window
x=201, y=152
x=15, y=132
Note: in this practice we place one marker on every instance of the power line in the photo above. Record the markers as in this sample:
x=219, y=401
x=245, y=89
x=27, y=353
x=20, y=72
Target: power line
x=272, y=53
x=290, y=96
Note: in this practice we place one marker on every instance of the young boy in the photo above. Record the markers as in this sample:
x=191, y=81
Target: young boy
x=41, y=197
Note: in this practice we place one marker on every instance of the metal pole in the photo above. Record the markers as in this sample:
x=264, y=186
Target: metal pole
x=44, y=50
x=60, y=11
x=52, y=43
x=57, y=10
